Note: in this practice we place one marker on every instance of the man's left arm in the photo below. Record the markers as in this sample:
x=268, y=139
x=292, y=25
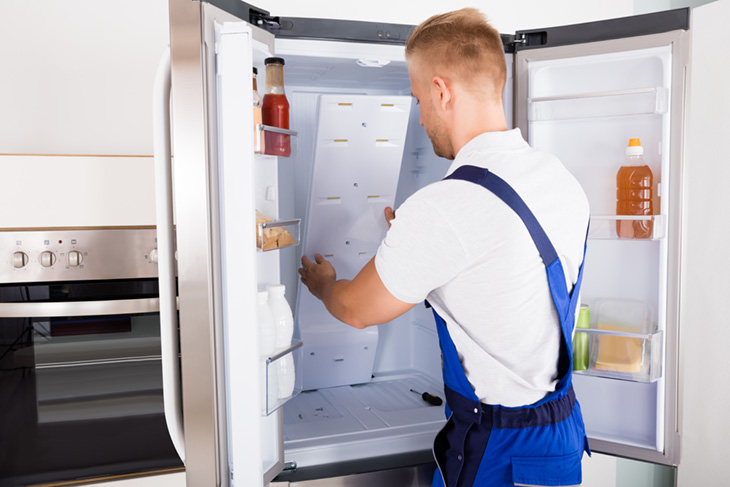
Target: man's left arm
x=361, y=302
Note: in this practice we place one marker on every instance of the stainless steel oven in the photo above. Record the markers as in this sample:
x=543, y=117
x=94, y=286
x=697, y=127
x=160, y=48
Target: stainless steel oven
x=80, y=366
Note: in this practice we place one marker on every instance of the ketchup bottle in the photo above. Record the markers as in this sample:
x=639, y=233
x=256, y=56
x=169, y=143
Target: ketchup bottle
x=275, y=109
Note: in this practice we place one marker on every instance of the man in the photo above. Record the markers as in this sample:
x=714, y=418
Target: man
x=500, y=261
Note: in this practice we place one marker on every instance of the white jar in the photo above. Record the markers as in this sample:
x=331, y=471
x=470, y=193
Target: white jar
x=267, y=326
x=283, y=319
x=267, y=348
x=284, y=322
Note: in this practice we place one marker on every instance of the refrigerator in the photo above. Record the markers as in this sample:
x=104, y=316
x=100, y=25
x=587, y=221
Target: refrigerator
x=579, y=92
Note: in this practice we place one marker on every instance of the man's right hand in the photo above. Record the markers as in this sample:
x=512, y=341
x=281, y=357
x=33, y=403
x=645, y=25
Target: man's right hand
x=389, y=215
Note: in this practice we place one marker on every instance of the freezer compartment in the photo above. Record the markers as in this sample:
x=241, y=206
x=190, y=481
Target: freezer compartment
x=275, y=235
x=609, y=227
x=276, y=137
x=354, y=424
x=283, y=378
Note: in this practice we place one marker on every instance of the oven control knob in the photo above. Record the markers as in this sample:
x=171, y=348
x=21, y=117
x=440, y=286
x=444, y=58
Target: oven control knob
x=20, y=259
x=47, y=258
x=74, y=258
x=153, y=256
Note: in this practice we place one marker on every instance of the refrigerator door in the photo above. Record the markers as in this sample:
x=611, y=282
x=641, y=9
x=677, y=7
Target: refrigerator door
x=581, y=93
x=228, y=439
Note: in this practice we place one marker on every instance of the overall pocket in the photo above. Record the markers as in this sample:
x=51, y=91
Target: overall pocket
x=564, y=470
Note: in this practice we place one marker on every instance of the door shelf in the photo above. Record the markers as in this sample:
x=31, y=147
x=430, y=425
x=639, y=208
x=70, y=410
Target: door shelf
x=275, y=235
x=606, y=227
x=619, y=103
x=613, y=353
x=282, y=378
x=273, y=141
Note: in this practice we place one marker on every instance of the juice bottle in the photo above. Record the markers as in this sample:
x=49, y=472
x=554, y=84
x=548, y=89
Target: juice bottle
x=635, y=183
x=275, y=109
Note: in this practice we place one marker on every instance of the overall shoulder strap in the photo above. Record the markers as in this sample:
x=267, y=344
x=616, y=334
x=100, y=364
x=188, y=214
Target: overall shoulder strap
x=509, y=196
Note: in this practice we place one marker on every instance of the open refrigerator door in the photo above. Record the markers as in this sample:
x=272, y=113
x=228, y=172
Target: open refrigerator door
x=584, y=103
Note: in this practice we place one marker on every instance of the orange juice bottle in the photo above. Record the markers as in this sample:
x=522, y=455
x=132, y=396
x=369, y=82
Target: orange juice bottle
x=634, y=183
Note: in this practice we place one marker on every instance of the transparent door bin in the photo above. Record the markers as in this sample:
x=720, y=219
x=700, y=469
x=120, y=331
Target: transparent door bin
x=271, y=141
x=283, y=381
x=608, y=227
x=276, y=235
x=622, y=342
x=622, y=355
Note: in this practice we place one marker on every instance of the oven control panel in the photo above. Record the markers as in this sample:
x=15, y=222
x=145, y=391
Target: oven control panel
x=38, y=255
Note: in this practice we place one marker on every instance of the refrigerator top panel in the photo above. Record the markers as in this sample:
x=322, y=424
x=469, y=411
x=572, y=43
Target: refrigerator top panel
x=339, y=65
x=604, y=30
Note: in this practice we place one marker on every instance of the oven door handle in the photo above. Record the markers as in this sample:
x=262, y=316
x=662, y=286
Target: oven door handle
x=30, y=309
x=171, y=382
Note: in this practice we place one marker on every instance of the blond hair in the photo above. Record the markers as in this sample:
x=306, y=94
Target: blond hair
x=461, y=45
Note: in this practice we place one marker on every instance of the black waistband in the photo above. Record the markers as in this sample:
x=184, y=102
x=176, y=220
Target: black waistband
x=550, y=412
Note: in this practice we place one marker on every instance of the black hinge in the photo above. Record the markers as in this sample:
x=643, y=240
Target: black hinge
x=290, y=467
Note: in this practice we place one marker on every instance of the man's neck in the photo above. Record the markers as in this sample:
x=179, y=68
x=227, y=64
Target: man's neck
x=473, y=118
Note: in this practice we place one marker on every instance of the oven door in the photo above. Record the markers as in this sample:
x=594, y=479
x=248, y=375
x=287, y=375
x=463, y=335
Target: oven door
x=81, y=381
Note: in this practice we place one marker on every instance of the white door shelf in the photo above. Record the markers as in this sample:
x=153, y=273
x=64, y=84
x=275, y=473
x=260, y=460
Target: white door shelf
x=275, y=235
x=605, y=227
x=624, y=355
x=266, y=132
x=277, y=391
x=619, y=103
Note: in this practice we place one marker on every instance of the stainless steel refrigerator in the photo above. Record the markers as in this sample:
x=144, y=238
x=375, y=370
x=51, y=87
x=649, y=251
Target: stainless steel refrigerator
x=580, y=92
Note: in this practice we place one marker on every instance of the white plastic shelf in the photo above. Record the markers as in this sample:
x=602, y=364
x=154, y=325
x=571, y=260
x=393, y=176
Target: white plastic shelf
x=261, y=136
x=605, y=227
x=622, y=355
x=276, y=392
x=642, y=101
x=275, y=235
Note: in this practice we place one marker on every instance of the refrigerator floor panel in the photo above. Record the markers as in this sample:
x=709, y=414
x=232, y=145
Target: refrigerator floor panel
x=350, y=424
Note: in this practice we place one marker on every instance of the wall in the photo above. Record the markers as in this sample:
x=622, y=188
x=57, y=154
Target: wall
x=75, y=99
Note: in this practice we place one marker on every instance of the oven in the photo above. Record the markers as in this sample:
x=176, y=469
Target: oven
x=80, y=367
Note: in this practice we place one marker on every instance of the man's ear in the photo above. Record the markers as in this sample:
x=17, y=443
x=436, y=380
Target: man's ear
x=442, y=89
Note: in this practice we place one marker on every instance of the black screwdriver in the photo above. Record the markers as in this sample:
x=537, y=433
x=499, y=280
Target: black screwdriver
x=430, y=398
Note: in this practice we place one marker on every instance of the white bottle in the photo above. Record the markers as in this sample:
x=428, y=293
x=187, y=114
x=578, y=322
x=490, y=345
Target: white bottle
x=284, y=330
x=267, y=348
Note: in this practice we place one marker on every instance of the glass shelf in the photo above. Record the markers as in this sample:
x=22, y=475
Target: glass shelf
x=642, y=101
x=282, y=378
x=275, y=235
x=606, y=227
x=272, y=141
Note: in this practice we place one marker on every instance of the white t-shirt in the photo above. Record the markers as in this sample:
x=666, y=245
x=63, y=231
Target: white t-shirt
x=456, y=244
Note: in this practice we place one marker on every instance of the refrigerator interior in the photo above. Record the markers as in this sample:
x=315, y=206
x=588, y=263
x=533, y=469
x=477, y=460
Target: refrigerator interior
x=369, y=411
x=584, y=110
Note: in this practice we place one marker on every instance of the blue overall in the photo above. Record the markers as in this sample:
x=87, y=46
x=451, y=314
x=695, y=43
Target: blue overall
x=492, y=445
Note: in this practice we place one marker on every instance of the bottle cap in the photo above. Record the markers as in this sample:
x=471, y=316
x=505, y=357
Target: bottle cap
x=274, y=60
x=276, y=289
x=263, y=297
x=255, y=71
x=634, y=148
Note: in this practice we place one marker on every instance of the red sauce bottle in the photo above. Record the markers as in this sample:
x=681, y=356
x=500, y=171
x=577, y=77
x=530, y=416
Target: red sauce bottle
x=275, y=109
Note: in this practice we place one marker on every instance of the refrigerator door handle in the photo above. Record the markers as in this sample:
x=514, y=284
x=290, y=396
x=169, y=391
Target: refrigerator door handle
x=166, y=255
